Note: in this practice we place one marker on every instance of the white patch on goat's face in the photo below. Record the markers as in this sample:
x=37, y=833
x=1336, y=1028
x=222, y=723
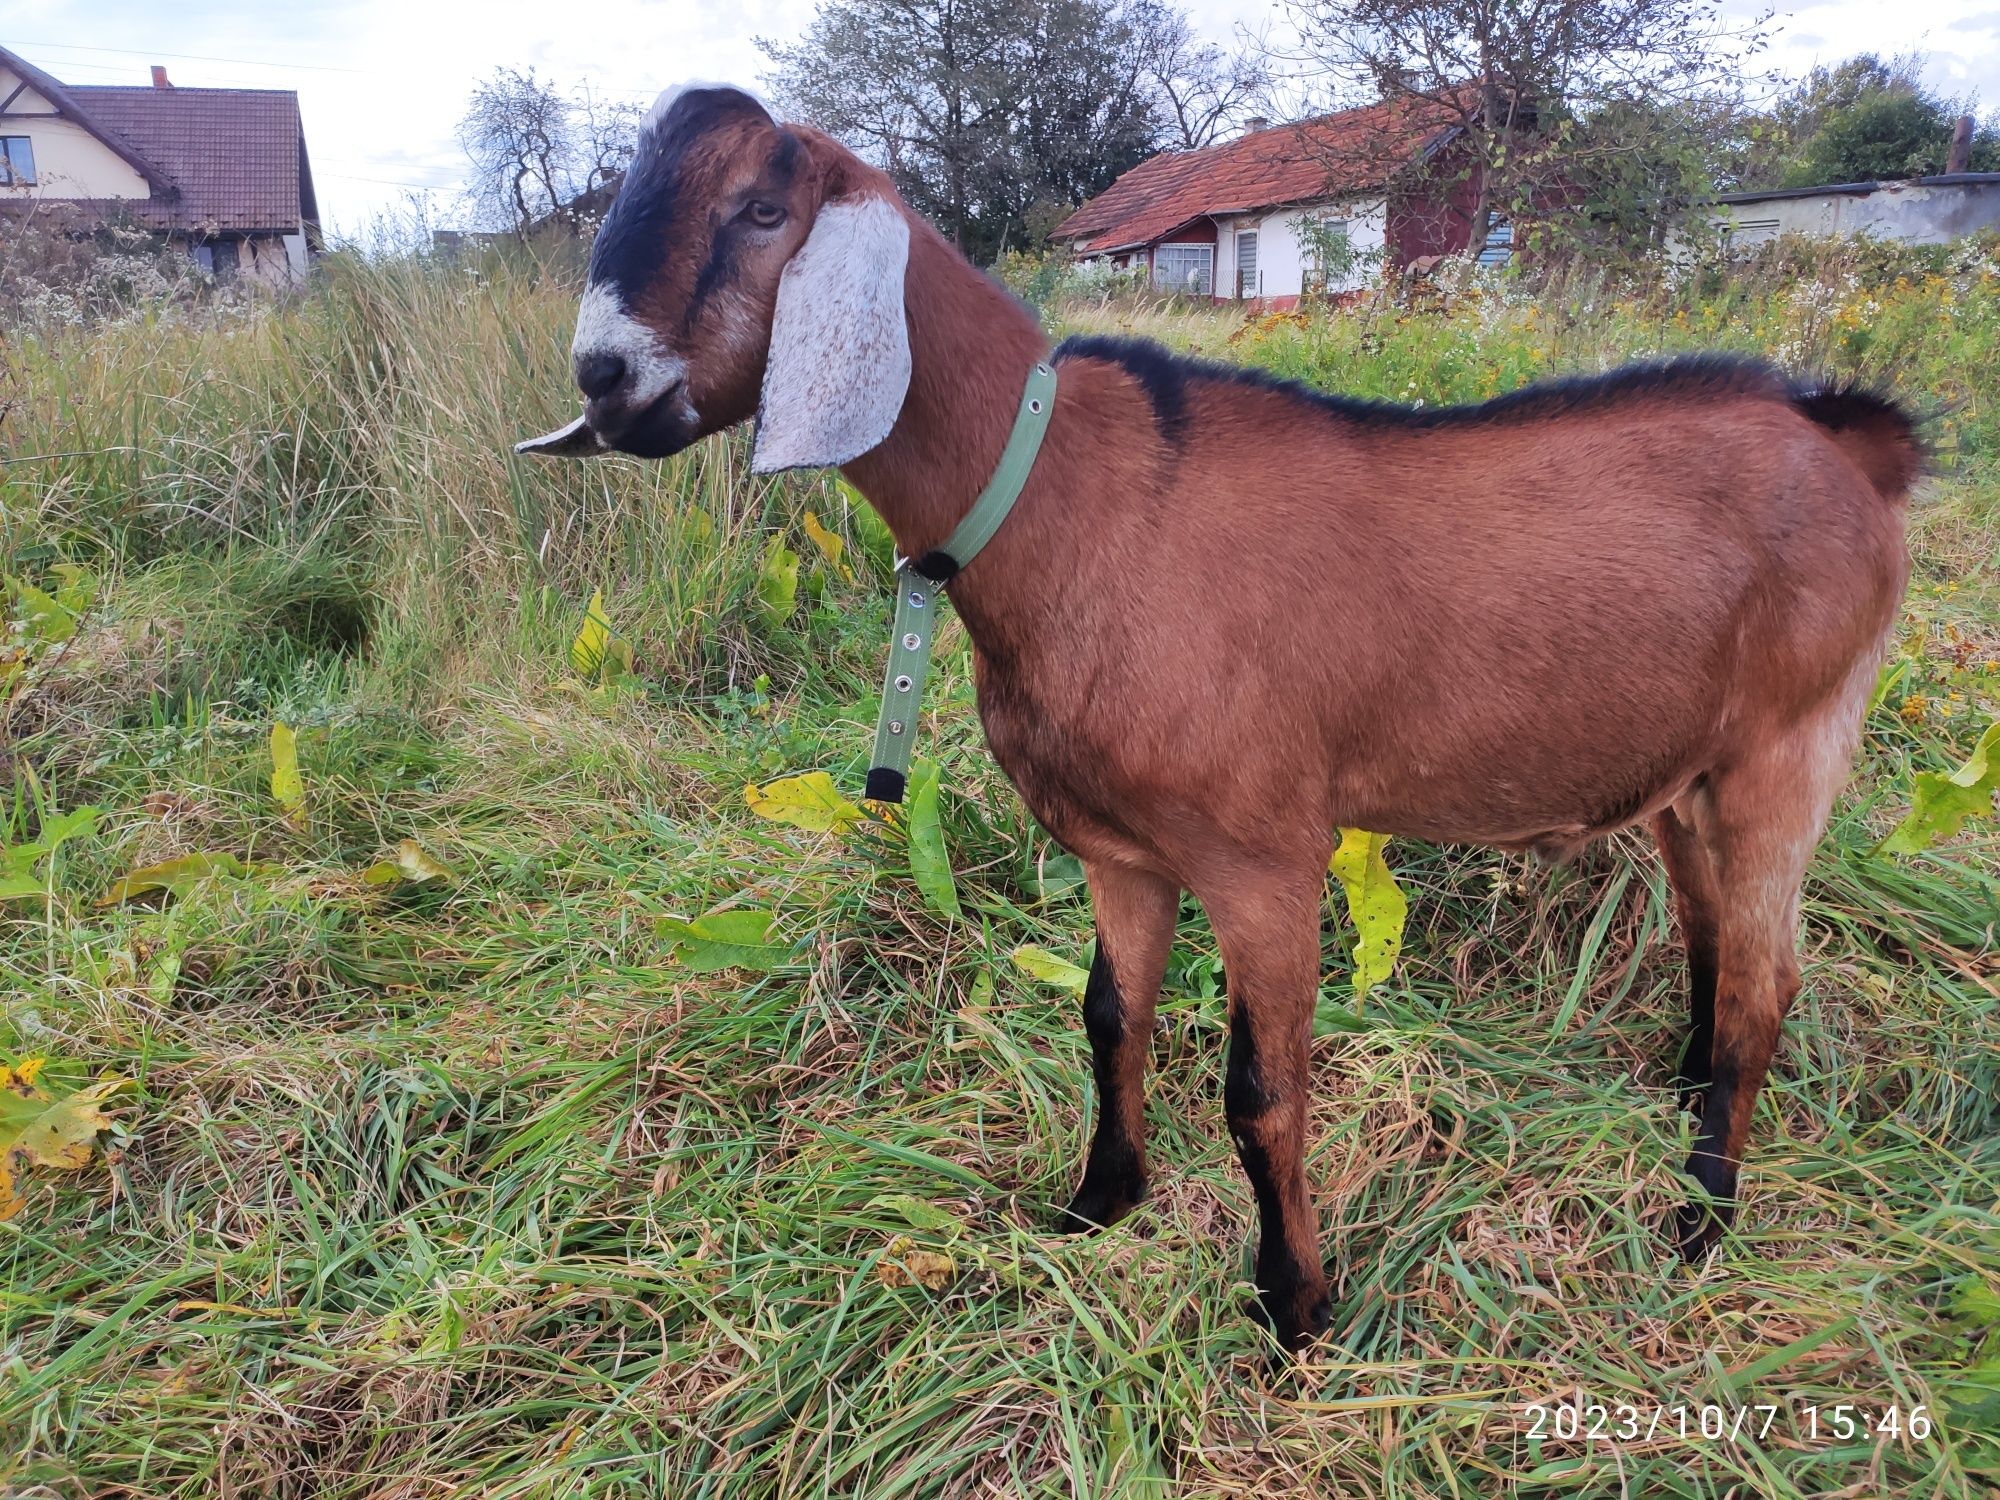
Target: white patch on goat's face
x=667, y=97
x=604, y=327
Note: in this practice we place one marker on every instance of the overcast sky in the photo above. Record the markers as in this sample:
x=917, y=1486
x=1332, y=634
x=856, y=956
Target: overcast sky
x=382, y=82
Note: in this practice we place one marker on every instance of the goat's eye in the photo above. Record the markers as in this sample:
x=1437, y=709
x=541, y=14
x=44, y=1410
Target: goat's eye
x=764, y=215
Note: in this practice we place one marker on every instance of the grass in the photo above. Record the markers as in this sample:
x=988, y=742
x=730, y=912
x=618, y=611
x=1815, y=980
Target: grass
x=464, y=1188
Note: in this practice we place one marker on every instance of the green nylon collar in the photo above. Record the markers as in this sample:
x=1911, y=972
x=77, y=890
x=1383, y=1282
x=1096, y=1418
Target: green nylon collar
x=918, y=586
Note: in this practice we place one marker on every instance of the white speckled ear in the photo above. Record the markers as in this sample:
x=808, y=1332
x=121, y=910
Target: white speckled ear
x=839, y=365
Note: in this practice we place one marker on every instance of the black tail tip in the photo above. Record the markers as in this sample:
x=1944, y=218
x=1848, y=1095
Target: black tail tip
x=1879, y=434
x=884, y=785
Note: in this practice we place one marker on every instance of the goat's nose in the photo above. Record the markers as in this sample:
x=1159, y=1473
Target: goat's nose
x=598, y=374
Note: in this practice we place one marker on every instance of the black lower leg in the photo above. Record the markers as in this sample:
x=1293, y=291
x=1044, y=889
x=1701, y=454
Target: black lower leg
x=1694, y=1074
x=1292, y=1299
x=1113, y=1177
x=1712, y=1164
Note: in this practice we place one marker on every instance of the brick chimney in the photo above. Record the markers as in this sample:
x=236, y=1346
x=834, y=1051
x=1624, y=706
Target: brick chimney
x=1256, y=123
x=1960, y=159
x=160, y=77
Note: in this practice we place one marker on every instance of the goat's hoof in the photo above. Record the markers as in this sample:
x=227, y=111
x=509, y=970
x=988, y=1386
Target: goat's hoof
x=1698, y=1228
x=1295, y=1318
x=1098, y=1208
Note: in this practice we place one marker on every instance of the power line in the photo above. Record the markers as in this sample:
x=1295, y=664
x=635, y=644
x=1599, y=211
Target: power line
x=184, y=57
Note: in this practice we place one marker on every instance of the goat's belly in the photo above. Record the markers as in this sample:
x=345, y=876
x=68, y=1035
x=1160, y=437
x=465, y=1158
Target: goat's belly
x=1551, y=796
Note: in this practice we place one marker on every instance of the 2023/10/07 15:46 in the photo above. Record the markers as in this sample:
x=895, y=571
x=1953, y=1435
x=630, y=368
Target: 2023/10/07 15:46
x=1582, y=1421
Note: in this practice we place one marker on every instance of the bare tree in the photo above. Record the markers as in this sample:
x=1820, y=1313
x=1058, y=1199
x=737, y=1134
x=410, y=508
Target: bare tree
x=1518, y=79
x=537, y=147
x=1203, y=89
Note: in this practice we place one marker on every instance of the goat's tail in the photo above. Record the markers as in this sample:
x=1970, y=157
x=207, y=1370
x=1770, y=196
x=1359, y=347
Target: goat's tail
x=1872, y=430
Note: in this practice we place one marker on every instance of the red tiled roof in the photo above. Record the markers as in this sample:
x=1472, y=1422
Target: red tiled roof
x=1353, y=151
x=236, y=157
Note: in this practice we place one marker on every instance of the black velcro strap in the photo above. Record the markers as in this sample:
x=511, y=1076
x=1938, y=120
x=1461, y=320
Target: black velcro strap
x=884, y=785
x=937, y=566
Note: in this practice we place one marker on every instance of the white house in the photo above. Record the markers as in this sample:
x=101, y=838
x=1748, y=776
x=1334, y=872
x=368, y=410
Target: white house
x=1261, y=217
x=222, y=172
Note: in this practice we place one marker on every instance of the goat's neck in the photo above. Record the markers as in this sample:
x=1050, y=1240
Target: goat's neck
x=971, y=347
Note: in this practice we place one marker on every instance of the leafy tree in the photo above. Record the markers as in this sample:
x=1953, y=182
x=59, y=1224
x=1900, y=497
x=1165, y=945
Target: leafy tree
x=536, y=148
x=1869, y=120
x=991, y=114
x=1522, y=80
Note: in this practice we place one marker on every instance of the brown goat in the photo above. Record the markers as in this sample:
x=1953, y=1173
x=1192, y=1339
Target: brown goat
x=1229, y=614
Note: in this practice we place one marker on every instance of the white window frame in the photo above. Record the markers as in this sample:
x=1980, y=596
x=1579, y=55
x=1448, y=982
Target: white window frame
x=7, y=177
x=1255, y=285
x=1201, y=254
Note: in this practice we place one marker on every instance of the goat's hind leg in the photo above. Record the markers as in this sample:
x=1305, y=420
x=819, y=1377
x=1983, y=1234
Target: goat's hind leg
x=1135, y=929
x=1758, y=824
x=1269, y=936
x=1692, y=877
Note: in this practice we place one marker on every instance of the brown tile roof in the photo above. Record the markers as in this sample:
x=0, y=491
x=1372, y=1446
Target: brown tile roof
x=236, y=158
x=1353, y=151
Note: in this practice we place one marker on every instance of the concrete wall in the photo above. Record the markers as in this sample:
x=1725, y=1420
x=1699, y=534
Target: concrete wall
x=1913, y=212
x=70, y=162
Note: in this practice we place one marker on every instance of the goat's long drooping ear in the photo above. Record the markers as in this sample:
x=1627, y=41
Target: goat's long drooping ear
x=839, y=365
x=577, y=440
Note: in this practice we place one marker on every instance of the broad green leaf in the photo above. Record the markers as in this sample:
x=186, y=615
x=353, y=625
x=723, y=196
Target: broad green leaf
x=1059, y=875
x=930, y=862
x=1886, y=680
x=22, y=886
x=78, y=822
x=830, y=546
x=76, y=589
x=1940, y=803
x=46, y=620
x=808, y=801
x=174, y=875
x=288, y=788
x=1374, y=902
x=17, y=880
x=1039, y=963
x=737, y=939
x=871, y=532
x=918, y=1214
x=778, y=583
x=598, y=651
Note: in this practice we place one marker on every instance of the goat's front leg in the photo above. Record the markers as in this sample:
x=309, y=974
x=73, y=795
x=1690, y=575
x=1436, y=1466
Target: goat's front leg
x=1269, y=934
x=1135, y=929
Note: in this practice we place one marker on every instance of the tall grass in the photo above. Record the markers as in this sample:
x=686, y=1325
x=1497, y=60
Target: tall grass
x=465, y=1188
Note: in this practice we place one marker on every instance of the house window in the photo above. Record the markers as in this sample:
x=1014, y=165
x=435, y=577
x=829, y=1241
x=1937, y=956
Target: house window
x=1499, y=246
x=17, y=161
x=1246, y=262
x=1742, y=234
x=224, y=259
x=1186, y=269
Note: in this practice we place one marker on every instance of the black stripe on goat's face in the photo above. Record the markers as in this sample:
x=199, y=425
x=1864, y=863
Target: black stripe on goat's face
x=675, y=323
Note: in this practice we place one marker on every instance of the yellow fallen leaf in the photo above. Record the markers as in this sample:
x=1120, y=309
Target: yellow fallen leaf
x=1374, y=901
x=1039, y=963
x=38, y=1129
x=288, y=788
x=598, y=652
x=830, y=546
x=809, y=801
x=905, y=1265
